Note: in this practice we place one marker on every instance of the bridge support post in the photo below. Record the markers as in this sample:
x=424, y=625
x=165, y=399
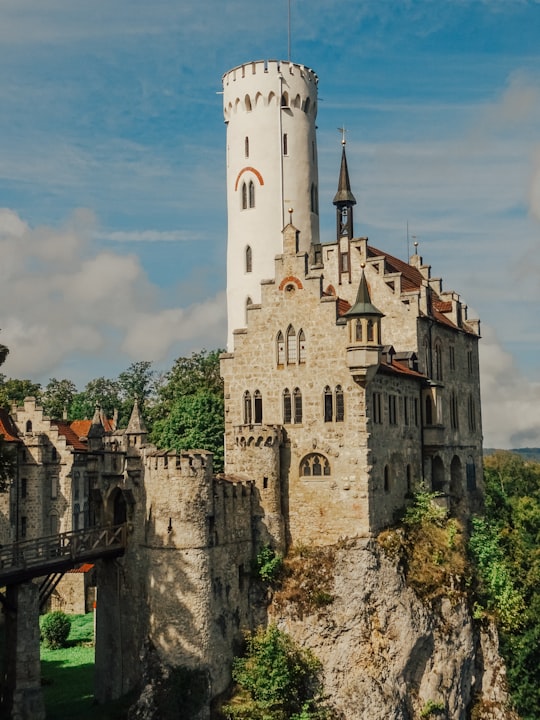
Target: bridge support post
x=23, y=696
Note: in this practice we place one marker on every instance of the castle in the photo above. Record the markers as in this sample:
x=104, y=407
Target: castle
x=350, y=378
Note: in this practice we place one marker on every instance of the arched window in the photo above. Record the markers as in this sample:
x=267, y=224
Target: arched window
x=291, y=346
x=284, y=100
x=307, y=105
x=470, y=470
x=54, y=454
x=54, y=523
x=301, y=347
x=249, y=259
x=28, y=426
x=247, y=408
x=454, y=411
x=314, y=465
x=249, y=302
x=280, y=342
x=472, y=414
x=297, y=396
x=370, y=330
x=328, y=405
x=257, y=402
x=246, y=146
x=244, y=196
x=438, y=362
x=358, y=330
x=248, y=103
x=251, y=194
x=340, y=404
x=429, y=411
x=287, y=407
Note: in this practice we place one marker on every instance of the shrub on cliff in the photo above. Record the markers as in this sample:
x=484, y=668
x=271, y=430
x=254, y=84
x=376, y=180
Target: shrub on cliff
x=431, y=547
x=276, y=680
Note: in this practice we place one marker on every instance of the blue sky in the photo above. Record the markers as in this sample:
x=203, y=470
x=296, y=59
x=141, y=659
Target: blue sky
x=112, y=172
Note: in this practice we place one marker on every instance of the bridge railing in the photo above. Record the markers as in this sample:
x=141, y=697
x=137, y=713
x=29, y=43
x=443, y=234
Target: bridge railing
x=76, y=544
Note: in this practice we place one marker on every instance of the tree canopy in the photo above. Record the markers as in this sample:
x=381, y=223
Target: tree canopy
x=505, y=544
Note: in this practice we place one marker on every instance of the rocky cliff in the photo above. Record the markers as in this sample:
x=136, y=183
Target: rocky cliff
x=388, y=655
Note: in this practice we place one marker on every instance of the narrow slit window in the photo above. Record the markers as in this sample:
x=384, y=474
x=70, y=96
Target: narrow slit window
x=287, y=407
x=246, y=146
x=285, y=144
x=280, y=349
x=258, y=407
x=340, y=404
x=244, y=196
x=251, y=194
x=301, y=347
x=328, y=405
x=247, y=408
x=291, y=346
x=249, y=259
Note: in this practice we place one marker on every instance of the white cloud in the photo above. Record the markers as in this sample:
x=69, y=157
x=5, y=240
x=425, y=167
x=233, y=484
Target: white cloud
x=62, y=298
x=510, y=401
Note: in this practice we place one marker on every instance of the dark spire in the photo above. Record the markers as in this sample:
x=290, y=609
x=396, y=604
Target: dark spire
x=344, y=195
x=96, y=428
x=363, y=305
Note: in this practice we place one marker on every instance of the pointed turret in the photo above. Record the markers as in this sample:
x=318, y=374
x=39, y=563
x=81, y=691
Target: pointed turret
x=136, y=426
x=96, y=431
x=364, y=327
x=344, y=194
x=344, y=201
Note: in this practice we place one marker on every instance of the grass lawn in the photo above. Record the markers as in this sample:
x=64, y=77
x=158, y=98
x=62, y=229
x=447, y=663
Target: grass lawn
x=68, y=677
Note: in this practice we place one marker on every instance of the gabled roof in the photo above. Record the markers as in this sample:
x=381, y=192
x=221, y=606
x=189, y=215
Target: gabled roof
x=7, y=427
x=82, y=427
x=411, y=277
x=400, y=368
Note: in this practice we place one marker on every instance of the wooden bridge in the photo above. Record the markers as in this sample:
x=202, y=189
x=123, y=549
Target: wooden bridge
x=50, y=557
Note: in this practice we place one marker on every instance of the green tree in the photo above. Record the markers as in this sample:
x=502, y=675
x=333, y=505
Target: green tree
x=100, y=391
x=194, y=422
x=57, y=397
x=505, y=545
x=136, y=383
x=189, y=408
x=277, y=680
x=13, y=391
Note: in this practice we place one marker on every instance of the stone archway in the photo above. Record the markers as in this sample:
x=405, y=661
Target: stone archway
x=118, y=507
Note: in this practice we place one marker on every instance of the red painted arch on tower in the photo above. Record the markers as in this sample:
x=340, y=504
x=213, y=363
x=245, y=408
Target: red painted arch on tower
x=248, y=169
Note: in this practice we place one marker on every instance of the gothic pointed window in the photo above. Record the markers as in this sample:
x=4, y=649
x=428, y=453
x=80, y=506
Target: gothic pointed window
x=301, y=347
x=280, y=342
x=328, y=405
x=251, y=194
x=297, y=397
x=247, y=408
x=247, y=101
x=249, y=259
x=287, y=407
x=340, y=404
x=315, y=465
x=258, y=407
x=358, y=328
x=291, y=346
x=244, y=196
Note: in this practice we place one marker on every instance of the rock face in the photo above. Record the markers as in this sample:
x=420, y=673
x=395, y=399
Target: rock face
x=388, y=656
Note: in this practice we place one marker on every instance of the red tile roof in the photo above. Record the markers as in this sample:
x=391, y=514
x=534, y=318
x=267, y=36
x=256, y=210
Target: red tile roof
x=444, y=306
x=401, y=369
x=72, y=438
x=84, y=568
x=82, y=427
x=411, y=277
x=7, y=427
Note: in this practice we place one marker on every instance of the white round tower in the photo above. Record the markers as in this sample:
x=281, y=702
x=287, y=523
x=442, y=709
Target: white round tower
x=270, y=109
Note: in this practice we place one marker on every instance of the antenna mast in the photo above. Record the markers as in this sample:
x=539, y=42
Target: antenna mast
x=289, y=32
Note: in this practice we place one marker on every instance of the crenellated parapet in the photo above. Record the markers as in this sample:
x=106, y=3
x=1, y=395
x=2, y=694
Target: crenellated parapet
x=258, y=435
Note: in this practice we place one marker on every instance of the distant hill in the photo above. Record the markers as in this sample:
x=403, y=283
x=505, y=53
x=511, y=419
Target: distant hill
x=526, y=453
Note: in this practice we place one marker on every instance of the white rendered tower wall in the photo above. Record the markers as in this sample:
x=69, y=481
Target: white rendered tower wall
x=270, y=109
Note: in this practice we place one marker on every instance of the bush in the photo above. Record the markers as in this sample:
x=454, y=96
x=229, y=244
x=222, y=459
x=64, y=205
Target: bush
x=268, y=564
x=306, y=581
x=277, y=680
x=55, y=628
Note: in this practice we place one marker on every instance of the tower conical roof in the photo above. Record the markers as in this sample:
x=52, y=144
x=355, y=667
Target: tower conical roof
x=344, y=194
x=363, y=305
x=136, y=424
